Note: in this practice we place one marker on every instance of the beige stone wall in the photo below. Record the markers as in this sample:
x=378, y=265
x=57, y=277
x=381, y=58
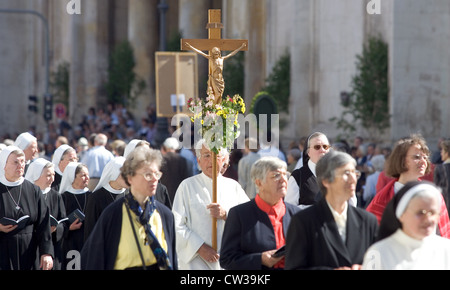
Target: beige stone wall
x=141, y=34
x=420, y=92
x=21, y=65
x=89, y=58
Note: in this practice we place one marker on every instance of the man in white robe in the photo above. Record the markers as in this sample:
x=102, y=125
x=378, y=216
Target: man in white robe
x=193, y=211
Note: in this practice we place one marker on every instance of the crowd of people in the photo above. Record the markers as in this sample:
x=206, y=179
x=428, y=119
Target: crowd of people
x=103, y=189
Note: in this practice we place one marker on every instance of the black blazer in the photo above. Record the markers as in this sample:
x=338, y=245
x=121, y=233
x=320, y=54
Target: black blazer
x=248, y=232
x=313, y=240
x=100, y=249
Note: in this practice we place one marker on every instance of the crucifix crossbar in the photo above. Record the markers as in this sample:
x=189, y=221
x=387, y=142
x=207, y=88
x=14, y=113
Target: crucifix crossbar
x=214, y=27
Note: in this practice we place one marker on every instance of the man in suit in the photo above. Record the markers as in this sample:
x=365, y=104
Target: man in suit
x=256, y=229
x=331, y=234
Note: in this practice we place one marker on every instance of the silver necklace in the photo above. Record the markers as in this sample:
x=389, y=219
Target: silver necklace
x=79, y=205
x=18, y=200
x=112, y=196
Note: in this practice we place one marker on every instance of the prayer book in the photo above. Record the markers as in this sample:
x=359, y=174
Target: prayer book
x=280, y=252
x=54, y=222
x=21, y=222
x=76, y=214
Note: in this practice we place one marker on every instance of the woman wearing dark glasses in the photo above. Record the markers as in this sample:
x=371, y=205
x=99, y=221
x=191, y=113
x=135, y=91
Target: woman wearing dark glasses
x=302, y=185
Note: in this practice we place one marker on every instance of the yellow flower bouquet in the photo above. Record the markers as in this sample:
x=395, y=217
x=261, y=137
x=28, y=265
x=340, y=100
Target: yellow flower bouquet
x=217, y=123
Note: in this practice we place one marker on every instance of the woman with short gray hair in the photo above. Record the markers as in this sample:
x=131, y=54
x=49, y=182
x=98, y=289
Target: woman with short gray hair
x=255, y=230
x=326, y=171
x=331, y=234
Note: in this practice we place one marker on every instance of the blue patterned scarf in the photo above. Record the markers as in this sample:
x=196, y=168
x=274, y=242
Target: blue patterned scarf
x=144, y=219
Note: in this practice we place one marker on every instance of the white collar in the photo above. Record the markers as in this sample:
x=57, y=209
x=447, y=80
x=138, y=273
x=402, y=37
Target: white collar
x=397, y=186
x=206, y=177
x=312, y=167
x=11, y=183
x=409, y=241
x=77, y=191
x=108, y=187
x=336, y=214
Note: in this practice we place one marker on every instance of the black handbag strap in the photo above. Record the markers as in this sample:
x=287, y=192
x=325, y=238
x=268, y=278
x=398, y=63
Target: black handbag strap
x=135, y=237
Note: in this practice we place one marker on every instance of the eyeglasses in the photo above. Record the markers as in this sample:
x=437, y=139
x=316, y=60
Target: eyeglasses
x=346, y=174
x=418, y=157
x=17, y=163
x=324, y=146
x=152, y=175
x=426, y=213
x=209, y=156
x=74, y=159
x=278, y=175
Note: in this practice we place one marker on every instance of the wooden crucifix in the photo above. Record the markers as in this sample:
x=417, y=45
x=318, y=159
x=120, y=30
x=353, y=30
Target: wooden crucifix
x=216, y=84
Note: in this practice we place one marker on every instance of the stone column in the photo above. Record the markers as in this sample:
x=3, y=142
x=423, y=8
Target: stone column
x=17, y=63
x=143, y=36
x=420, y=69
x=60, y=36
x=255, y=59
x=193, y=18
x=89, y=59
x=304, y=59
x=192, y=22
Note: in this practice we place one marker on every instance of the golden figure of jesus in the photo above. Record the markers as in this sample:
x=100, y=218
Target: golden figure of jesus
x=216, y=83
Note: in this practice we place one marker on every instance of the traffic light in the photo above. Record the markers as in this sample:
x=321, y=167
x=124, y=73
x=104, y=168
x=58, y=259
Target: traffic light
x=32, y=104
x=48, y=107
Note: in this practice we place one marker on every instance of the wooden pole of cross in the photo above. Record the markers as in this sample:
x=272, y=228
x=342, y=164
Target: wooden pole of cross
x=213, y=44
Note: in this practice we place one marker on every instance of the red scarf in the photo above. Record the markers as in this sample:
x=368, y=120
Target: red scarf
x=276, y=214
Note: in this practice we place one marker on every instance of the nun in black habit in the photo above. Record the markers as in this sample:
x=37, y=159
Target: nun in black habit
x=18, y=198
x=110, y=188
x=74, y=192
x=41, y=173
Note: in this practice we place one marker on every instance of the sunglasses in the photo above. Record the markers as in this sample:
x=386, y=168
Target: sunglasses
x=324, y=146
